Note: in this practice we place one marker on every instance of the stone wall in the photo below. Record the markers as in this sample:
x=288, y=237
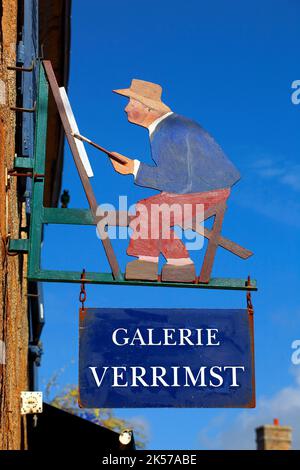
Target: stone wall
x=274, y=437
x=13, y=285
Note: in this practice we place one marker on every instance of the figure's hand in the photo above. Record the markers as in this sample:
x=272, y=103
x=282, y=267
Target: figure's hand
x=127, y=168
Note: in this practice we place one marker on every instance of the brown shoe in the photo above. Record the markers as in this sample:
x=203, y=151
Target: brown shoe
x=173, y=273
x=141, y=270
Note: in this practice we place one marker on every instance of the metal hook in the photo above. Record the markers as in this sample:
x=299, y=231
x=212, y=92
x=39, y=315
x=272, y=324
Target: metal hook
x=24, y=110
x=21, y=69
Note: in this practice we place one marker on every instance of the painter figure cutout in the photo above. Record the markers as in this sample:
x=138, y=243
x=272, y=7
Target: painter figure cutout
x=190, y=168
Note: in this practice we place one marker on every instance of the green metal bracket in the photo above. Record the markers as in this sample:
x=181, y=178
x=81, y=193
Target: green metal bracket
x=23, y=163
x=67, y=216
x=20, y=245
x=36, y=225
x=107, y=278
x=41, y=215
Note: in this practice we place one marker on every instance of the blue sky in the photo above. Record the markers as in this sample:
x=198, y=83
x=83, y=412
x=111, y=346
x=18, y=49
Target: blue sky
x=229, y=66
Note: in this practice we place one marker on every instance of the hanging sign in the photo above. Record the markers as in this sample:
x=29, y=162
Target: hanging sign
x=166, y=358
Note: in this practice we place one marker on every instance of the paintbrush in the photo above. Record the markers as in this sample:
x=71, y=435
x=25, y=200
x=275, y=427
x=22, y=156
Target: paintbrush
x=102, y=149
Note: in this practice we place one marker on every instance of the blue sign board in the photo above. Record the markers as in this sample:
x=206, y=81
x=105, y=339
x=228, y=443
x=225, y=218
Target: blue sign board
x=166, y=358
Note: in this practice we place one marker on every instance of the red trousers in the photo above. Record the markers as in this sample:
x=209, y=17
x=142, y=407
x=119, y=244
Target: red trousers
x=151, y=227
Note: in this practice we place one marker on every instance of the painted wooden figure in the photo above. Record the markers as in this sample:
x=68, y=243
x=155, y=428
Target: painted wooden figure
x=190, y=168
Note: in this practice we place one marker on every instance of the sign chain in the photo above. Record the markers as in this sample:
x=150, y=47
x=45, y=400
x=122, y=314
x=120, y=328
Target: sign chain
x=82, y=295
x=249, y=300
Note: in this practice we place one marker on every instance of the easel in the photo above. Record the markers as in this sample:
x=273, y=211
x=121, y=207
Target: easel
x=41, y=215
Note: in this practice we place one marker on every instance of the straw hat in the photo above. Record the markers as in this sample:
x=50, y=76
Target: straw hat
x=147, y=93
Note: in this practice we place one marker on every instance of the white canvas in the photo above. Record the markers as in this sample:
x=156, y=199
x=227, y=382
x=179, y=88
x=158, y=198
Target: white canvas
x=79, y=144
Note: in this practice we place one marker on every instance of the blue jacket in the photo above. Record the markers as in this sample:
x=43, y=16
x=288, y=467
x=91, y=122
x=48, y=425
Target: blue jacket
x=187, y=159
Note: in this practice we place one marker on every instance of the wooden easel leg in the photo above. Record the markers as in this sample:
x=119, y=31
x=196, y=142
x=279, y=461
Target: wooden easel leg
x=109, y=251
x=212, y=245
